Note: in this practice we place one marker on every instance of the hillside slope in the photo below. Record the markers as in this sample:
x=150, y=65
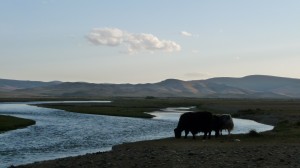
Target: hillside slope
x=255, y=86
x=9, y=85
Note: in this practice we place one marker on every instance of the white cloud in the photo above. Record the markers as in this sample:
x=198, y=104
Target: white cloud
x=133, y=42
x=106, y=36
x=139, y=42
x=184, y=33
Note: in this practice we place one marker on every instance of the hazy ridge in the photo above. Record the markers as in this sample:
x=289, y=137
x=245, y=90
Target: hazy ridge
x=254, y=86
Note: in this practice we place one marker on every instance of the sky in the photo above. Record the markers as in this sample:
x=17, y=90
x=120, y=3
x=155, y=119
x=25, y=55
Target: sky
x=137, y=41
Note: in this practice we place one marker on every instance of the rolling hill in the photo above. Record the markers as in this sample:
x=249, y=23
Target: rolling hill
x=254, y=86
x=10, y=85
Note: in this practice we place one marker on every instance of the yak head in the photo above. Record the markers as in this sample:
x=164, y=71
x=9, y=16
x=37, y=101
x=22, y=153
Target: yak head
x=177, y=133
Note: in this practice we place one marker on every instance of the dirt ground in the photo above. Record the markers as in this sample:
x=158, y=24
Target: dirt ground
x=222, y=152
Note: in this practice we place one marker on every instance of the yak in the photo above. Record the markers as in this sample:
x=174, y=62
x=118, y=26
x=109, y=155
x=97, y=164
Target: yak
x=195, y=122
x=226, y=123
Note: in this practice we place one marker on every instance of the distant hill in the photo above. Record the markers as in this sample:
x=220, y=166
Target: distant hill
x=9, y=85
x=255, y=86
x=288, y=87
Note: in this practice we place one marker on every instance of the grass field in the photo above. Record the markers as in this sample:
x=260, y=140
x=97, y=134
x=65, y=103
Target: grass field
x=126, y=107
x=10, y=123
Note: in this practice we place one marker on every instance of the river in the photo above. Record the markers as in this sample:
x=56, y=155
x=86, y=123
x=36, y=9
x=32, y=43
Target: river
x=59, y=134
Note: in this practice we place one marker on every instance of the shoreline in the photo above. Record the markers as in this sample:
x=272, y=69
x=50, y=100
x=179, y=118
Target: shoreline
x=276, y=148
x=99, y=151
x=224, y=151
x=171, y=152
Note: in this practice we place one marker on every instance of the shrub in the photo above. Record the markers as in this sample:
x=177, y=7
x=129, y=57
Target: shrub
x=253, y=133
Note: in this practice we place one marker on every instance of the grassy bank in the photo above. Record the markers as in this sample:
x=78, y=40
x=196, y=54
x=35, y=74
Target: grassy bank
x=10, y=123
x=283, y=114
x=30, y=99
x=126, y=107
x=270, y=111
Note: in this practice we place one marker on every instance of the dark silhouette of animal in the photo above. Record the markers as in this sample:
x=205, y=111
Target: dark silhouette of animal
x=195, y=122
x=216, y=125
x=226, y=123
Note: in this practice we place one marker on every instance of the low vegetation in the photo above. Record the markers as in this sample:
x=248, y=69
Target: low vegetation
x=10, y=123
x=126, y=107
x=253, y=133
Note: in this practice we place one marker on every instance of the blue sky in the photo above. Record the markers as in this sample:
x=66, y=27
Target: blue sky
x=148, y=41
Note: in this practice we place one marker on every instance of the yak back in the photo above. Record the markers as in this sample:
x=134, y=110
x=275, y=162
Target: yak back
x=195, y=121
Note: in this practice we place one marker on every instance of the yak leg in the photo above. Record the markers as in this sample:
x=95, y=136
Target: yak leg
x=209, y=134
x=194, y=134
x=186, y=133
x=217, y=133
x=205, y=134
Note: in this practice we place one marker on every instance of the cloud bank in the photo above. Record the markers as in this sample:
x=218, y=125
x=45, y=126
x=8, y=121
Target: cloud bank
x=133, y=42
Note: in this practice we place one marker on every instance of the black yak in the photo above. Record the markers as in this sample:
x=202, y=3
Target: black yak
x=195, y=122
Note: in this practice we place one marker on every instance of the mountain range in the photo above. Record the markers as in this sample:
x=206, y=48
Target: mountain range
x=254, y=86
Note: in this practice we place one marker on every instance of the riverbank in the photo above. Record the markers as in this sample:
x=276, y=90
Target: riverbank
x=124, y=107
x=236, y=151
x=277, y=148
x=8, y=123
x=268, y=111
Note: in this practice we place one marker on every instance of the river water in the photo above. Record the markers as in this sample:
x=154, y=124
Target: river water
x=59, y=134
